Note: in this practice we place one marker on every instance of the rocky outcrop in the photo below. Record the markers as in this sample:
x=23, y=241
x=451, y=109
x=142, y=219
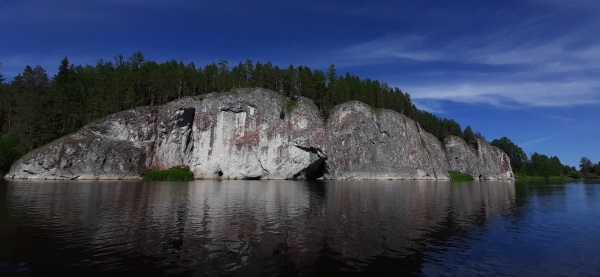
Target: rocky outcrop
x=258, y=134
x=363, y=143
x=113, y=149
x=484, y=161
x=246, y=134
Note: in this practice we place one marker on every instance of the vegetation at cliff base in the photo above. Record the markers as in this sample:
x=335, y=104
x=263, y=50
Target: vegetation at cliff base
x=457, y=176
x=172, y=174
x=9, y=151
x=521, y=177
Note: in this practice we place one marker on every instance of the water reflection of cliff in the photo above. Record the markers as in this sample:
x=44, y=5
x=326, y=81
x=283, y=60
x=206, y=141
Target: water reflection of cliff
x=256, y=227
x=394, y=223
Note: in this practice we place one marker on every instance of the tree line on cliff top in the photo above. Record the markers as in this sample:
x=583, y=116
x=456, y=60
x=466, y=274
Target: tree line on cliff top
x=36, y=109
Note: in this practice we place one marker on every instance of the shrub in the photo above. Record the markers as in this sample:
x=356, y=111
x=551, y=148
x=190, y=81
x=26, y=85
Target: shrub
x=457, y=176
x=178, y=173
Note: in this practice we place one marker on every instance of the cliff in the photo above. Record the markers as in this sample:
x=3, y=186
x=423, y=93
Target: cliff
x=382, y=144
x=485, y=161
x=258, y=134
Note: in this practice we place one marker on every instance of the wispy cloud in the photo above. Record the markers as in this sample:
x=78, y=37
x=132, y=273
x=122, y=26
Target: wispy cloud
x=557, y=117
x=389, y=47
x=522, y=94
x=530, y=142
x=531, y=64
x=430, y=106
x=548, y=55
x=571, y=4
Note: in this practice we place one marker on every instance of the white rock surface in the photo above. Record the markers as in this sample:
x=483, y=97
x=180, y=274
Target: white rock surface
x=363, y=144
x=256, y=134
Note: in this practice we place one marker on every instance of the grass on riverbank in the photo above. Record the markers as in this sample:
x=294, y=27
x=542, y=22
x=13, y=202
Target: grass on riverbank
x=171, y=174
x=457, y=176
x=520, y=177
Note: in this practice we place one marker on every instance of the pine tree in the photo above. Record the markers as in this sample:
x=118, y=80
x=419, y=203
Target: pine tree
x=2, y=79
x=517, y=156
x=585, y=165
x=470, y=137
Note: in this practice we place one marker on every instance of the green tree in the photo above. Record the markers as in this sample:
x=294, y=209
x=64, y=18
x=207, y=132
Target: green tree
x=585, y=165
x=518, y=158
x=223, y=78
x=331, y=75
x=319, y=88
x=63, y=99
x=536, y=166
x=30, y=122
x=2, y=79
x=4, y=103
x=211, y=72
x=136, y=79
x=470, y=137
x=9, y=151
x=542, y=165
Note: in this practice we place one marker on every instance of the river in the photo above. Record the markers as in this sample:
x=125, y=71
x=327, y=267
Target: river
x=291, y=228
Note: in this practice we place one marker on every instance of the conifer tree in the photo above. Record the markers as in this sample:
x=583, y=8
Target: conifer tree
x=469, y=136
x=517, y=156
x=2, y=79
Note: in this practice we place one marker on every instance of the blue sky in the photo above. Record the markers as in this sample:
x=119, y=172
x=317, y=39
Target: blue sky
x=527, y=69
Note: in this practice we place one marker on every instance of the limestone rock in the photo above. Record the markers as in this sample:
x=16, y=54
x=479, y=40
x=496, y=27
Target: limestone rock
x=485, y=162
x=259, y=134
x=112, y=149
x=381, y=144
x=246, y=134
x=250, y=134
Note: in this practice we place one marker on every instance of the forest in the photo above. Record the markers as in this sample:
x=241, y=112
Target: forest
x=36, y=108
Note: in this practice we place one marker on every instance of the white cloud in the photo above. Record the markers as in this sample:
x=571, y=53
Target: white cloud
x=570, y=3
x=430, y=106
x=530, y=142
x=524, y=68
x=387, y=47
x=528, y=94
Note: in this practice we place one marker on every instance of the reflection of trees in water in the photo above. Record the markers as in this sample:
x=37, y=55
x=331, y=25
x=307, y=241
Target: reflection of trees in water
x=528, y=190
x=78, y=228
x=263, y=227
x=3, y=202
x=531, y=193
x=382, y=225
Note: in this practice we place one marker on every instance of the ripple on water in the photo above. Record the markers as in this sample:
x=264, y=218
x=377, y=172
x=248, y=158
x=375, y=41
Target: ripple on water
x=296, y=228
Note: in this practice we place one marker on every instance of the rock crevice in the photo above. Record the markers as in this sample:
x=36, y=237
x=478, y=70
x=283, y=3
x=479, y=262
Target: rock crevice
x=317, y=168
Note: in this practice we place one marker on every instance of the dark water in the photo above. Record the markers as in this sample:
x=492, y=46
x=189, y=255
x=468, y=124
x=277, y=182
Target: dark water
x=262, y=228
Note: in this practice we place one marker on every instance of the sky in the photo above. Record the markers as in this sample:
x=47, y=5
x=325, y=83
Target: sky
x=525, y=69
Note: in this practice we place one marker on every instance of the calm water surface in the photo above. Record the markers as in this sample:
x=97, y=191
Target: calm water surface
x=265, y=228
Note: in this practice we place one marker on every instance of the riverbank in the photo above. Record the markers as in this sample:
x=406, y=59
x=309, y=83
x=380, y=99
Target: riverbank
x=519, y=177
x=172, y=174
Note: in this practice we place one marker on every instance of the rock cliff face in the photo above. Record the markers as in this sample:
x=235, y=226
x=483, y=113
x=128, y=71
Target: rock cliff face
x=254, y=134
x=381, y=144
x=486, y=162
x=247, y=134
